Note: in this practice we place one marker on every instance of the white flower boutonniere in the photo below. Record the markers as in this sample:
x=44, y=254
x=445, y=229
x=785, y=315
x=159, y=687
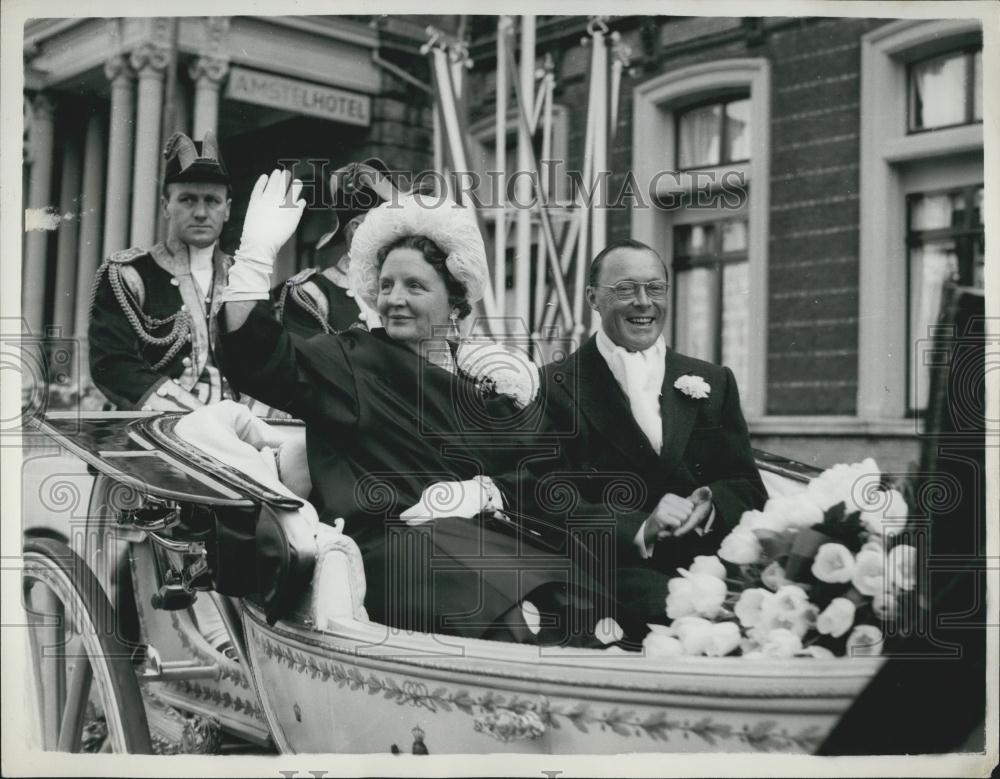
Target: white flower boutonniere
x=498, y=369
x=693, y=386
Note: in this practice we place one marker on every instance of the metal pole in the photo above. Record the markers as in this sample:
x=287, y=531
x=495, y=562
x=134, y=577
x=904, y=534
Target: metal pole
x=500, y=226
x=599, y=234
x=522, y=257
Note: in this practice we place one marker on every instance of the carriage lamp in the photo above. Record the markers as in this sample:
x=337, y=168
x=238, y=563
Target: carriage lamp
x=153, y=514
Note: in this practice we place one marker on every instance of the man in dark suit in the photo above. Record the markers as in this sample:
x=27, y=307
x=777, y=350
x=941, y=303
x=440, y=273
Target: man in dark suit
x=656, y=437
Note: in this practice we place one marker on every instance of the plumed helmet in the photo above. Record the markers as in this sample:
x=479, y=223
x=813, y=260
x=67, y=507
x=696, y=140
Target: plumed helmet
x=451, y=226
x=189, y=161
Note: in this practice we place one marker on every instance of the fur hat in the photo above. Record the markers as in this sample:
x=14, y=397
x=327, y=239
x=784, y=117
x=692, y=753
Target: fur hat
x=451, y=226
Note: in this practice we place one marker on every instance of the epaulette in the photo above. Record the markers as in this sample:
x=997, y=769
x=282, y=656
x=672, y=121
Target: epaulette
x=127, y=255
x=300, y=277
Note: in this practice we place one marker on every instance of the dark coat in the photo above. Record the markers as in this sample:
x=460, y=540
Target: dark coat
x=606, y=460
x=149, y=324
x=382, y=424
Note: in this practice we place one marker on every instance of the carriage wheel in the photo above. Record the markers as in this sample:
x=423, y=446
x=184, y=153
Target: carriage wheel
x=87, y=697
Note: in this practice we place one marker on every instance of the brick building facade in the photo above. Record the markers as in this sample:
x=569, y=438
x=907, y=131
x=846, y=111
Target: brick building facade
x=859, y=142
x=829, y=362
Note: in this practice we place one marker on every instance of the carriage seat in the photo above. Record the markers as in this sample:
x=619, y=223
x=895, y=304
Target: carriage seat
x=302, y=564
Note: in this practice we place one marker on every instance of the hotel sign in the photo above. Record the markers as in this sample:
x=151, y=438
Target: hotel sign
x=301, y=97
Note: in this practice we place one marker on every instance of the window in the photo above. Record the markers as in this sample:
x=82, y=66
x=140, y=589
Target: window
x=945, y=243
x=711, y=292
x=713, y=134
x=705, y=129
x=921, y=183
x=946, y=90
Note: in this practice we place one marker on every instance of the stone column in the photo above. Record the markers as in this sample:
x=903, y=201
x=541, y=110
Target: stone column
x=91, y=207
x=149, y=61
x=39, y=198
x=68, y=236
x=207, y=74
x=120, y=144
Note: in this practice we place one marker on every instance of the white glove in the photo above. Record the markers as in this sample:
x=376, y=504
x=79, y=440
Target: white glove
x=455, y=499
x=272, y=216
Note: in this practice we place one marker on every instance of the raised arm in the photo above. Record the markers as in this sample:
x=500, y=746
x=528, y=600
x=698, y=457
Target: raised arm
x=272, y=216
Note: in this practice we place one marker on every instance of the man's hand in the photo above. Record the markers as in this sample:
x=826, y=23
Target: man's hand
x=677, y=516
x=701, y=500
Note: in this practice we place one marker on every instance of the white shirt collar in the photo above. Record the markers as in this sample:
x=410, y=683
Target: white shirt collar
x=201, y=258
x=607, y=347
x=640, y=375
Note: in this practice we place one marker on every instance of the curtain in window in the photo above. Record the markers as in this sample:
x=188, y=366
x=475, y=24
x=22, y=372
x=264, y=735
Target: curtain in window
x=696, y=313
x=930, y=266
x=699, y=137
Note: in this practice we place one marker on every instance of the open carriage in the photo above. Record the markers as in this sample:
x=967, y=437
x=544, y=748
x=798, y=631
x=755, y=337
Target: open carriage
x=154, y=521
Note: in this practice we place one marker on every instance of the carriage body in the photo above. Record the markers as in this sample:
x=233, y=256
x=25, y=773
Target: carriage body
x=343, y=684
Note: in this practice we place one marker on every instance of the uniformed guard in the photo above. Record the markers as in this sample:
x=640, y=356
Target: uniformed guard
x=152, y=316
x=321, y=300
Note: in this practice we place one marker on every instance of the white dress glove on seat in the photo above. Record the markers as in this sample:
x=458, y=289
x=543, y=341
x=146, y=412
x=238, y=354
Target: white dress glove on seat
x=272, y=216
x=231, y=434
x=463, y=499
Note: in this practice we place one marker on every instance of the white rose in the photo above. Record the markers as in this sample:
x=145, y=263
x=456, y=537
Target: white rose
x=773, y=577
x=694, y=634
x=884, y=605
x=741, y=546
x=724, y=638
x=874, y=544
x=844, y=483
x=819, y=652
x=708, y=596
x=759, y=520
x=836, y=618
x=680, y=597
x=865, y=640
x=789, y=609
x=833, y=564
x=660, y=643
x=709, y=565
x=902, y=566
x=750, y=604
x=794, y=511
x=869, y=572
x=781, y=643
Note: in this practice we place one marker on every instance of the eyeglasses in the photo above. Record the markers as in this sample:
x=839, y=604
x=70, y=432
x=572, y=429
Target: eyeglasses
x=629, y=290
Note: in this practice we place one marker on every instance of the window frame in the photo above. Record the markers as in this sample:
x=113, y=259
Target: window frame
x=963, y=236
x=892, y=161
x=722, y=101
x=716, y=261
x=968, y=54
x=654, y=143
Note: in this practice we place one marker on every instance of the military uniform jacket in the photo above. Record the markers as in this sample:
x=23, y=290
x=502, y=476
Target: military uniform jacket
x=314, y=301
x=150, y=324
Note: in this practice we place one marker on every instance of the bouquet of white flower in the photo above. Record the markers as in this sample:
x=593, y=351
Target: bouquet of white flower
x=816, y=575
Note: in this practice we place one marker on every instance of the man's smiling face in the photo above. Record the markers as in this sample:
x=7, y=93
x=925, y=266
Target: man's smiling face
x=637, y=322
